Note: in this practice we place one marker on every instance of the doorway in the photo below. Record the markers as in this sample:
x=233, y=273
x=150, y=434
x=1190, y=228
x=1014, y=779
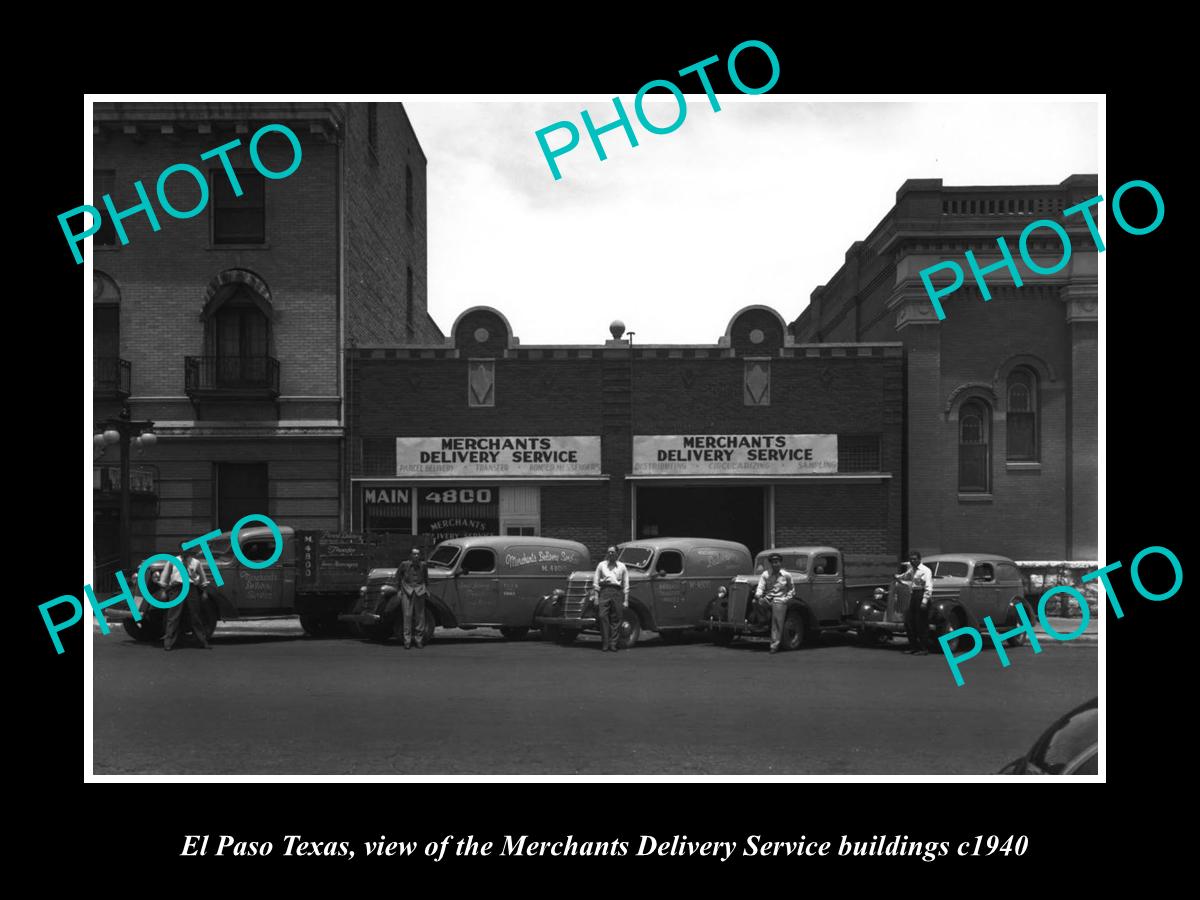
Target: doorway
x=722, y=512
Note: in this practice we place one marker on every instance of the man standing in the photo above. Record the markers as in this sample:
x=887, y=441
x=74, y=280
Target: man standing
x=916, y=623
x=611, y=581
x=776, y=585
x=413, y=576
x=192, y=605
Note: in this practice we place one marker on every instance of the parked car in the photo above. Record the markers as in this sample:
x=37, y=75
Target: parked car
x=967, y=587
x=316, y=577
x=671, y=581
x=493, y=582
x=1068, y=747
x=826, y=598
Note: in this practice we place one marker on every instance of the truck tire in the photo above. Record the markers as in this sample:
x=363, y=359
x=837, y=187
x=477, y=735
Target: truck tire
x=723, y=638
x=149, y=629
x=631, y=629
x=562, y=636
x=1021, y=639
x=793, y=631
x=316, y=625
x=514, y=633
x=945, y=626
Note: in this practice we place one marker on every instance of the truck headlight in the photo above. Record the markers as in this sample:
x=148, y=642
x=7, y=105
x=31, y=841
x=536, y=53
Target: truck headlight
x=387, y=590
x=362, y=591
x=722, y=593
x=880, y=594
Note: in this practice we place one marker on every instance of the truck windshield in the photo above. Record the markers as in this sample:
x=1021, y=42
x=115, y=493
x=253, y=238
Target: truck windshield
x=793, y=564
x=444, y=556
x=950, y=570
x=637, y=557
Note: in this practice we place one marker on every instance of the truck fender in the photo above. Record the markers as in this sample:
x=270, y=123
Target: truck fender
x=945, y=611
x=643, y=614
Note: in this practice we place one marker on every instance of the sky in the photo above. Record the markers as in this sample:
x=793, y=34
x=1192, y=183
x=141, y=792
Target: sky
x=755, y=204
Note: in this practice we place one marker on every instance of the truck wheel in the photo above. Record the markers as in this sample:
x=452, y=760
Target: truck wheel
x=313, y=625
x=514, y=634
x=793, y=631
x=631, y=630
x=872, y=637
x=945, y=626
x=1021, y=639
x=723, y=638
x=148, y=630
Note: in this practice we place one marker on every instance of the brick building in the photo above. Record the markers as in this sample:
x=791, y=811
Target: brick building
x=228, y=329
x=1000, y=397
x=753, y=438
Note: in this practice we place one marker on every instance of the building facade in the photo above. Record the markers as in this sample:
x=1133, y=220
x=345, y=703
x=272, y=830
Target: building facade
x=1000, y=397
x=753, y=438
x=228, y=329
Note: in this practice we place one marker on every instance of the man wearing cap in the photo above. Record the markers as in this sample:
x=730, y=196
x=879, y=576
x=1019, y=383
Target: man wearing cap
x=611, y=582
x=192, y=605
x=777, y=586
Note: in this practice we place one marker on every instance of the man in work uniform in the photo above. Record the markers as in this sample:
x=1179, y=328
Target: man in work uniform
x=611, y=582
x=413, y=578
x=192, y=605
x=916, y=622
x=776, y=585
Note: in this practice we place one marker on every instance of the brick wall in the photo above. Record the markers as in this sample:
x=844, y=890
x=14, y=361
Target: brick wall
x=163, y=275
x=382, y=239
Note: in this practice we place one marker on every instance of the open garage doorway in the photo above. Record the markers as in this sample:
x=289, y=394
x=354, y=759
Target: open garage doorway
x=727, y=513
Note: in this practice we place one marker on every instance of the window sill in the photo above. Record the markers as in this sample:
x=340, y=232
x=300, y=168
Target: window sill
x=239, y=246
x=974, y=498
x=1030, y=465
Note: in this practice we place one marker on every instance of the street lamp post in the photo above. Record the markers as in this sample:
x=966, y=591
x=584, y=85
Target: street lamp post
x=128, y=433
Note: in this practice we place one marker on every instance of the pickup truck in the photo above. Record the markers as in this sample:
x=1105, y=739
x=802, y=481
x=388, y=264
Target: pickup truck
x=826, y=599
x=317, y=577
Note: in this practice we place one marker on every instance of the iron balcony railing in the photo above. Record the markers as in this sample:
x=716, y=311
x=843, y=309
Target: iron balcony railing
x=111, y=376
x=254, y=375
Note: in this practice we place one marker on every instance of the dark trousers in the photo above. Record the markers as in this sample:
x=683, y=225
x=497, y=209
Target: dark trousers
x=916, y=622
x=610, y=612
x=192, y=607
x=412, y=608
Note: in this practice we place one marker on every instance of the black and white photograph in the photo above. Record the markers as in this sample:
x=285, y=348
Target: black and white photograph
x=694, y=433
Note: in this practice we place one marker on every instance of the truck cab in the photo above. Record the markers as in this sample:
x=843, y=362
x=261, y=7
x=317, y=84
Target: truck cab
x=671, y=581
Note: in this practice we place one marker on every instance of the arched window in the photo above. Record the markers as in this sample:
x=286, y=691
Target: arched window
x=1021, y=418
x=237, y=340
x=974, y=446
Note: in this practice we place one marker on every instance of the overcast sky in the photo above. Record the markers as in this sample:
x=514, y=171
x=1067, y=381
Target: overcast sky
x=757, y=203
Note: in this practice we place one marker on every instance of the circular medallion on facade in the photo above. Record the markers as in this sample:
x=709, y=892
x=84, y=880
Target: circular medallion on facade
x=482, y=334
x=757, y=336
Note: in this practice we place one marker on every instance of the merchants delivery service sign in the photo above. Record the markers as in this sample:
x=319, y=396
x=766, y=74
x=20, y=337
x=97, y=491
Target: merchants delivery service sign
x=557, y=457
x=735, y=454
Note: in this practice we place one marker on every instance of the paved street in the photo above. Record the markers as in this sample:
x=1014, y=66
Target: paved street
x=268, y=700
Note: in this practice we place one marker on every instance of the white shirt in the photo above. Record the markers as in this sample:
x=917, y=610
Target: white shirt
x=920, y=577
x=615, y=575
x=170, y=574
